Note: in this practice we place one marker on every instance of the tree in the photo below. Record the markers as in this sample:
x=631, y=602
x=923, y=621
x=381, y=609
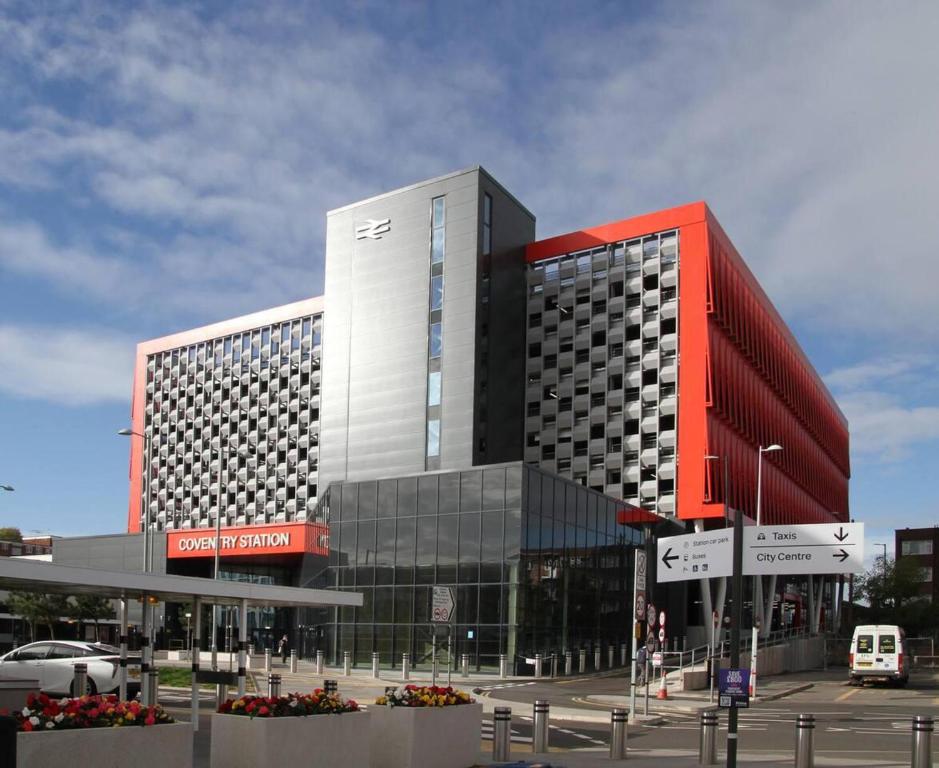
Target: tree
x=891, y=588
x=37, y=608
x=11, y=534
x=90, y=608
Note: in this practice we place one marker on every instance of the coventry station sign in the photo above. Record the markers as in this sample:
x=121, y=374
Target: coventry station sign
x=768, y=550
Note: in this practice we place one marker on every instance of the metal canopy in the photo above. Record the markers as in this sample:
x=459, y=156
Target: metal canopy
x=38, y=576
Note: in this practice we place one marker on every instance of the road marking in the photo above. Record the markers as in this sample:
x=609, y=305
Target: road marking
x=847, y=694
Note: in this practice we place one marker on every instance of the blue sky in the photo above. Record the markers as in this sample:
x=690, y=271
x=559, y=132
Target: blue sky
x=167, y=165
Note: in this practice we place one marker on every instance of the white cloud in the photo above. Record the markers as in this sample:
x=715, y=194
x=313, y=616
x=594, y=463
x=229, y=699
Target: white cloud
x=65, y=366
x=888, y=402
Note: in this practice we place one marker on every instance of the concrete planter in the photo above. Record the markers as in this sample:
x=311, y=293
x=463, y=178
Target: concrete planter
x=326, y=741
x=425, y=737
x=153, y=746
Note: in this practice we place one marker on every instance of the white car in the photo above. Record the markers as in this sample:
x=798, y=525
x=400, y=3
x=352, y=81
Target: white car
x=52, y=662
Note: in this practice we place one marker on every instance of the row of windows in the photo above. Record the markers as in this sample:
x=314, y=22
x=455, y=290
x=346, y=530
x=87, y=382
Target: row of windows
x=438, y=223
x=916, y=547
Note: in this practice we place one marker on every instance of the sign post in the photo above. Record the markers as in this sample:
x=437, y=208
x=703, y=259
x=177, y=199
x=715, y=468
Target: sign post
x=639, y=606
x=441, y=612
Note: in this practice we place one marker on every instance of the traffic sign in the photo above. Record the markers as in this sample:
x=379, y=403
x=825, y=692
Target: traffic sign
x=662, y=635
x=662, y=618
x=650, y=615
x=640, y=570
x=657, y=659
x=696, y=555
x=650, y=642
x=803, y=549
x=641, y=604
x=442, y=606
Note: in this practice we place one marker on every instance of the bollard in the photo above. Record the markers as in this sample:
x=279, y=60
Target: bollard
x=707, y=746
x=609, y=656
x=921, y=755
x=405, y=666
x=583, y=661
x=805, y=741
x=568, y=662
x=273, y=685
x=618, y=733
x=320, y=658
x=538, y=662
x=267, y=660
x=293, y=662
x=503, y=666
x=80, y=679
x=554, y=665
x=221, y=694
x=596, y=658
x=347, y=663
x=464, y=665
x=251, y=649
x=375, y=661
x=330, y=686
x=502, y=734
x=622, y=654
x=154, y=686
x=540, y=726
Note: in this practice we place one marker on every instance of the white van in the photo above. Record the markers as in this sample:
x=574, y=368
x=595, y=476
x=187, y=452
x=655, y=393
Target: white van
x=879, y=652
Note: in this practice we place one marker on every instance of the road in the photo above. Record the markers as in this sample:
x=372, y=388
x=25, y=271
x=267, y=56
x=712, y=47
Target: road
x=870, y=722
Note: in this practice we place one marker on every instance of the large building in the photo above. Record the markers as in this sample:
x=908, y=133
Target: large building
x=921, y=545
x=639, y=360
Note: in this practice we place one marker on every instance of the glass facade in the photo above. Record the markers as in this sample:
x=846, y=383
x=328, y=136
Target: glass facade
x=537, y=564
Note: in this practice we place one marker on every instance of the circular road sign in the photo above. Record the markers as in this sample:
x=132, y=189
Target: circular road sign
x=662, y=618
x=640, y=606
x=650, y=642
x=662, y=635
x=650, y=614
x=441, y=614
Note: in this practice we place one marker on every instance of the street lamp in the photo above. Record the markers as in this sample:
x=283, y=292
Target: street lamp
x=147, y=544
x=884, y=561
x=758, y=580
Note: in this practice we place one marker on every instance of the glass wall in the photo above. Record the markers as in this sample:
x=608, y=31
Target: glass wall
x=536, y=563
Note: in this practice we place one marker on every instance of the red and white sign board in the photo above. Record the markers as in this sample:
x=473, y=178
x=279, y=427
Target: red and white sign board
x=250, y=540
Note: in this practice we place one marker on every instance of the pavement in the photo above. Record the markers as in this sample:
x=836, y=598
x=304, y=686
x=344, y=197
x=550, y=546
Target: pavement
x=363, y=687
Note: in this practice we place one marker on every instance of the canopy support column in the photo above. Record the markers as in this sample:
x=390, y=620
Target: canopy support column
x=195, y=652
x=242, y=646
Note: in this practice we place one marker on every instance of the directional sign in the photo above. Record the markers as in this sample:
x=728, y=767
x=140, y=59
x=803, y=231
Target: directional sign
x=696, y=555
x=803, y=549
x=442, y=606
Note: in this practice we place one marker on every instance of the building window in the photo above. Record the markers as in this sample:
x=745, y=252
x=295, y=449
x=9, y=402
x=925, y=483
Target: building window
x=437, y=231
x=433, y=388
x=925, y=574
x=436, y=341
x=487, y=225
x=922, y=547
x=433, y=437
x=436, y=292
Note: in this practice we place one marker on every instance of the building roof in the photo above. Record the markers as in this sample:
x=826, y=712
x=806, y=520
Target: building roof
x=31, y=575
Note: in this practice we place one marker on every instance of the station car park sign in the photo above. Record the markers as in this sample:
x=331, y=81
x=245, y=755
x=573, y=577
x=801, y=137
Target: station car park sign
x=696, y=555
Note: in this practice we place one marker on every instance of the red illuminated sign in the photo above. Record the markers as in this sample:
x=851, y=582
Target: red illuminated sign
x=251, y=540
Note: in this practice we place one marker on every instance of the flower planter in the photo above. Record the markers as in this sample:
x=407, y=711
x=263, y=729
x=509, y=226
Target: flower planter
x=154, y=746
x=425, y=737
x=326, y=741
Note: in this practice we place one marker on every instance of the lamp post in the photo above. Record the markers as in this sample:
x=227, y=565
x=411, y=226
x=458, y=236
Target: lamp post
x=147, y=543
x=757, y=592
x=884, y=566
